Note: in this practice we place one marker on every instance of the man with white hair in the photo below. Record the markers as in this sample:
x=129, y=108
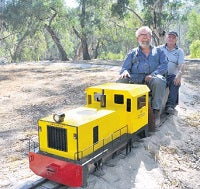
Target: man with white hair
x=146, y=65
x=175, y=56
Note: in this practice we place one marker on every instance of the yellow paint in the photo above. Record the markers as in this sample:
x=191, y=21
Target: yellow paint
x=112, y=120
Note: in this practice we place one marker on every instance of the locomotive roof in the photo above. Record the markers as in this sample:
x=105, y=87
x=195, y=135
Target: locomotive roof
x=134, y=89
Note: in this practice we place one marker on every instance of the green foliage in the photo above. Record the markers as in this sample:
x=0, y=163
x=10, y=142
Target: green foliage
x=195, y=49
x=159, y=13
x=193, y=33
x=119, y=9
x=68, y=45
x=112, y=56
x=109, y=26
x=34, y=48
x=118, y=35
x=7, y=45
x=155, y=14
x=25, y=18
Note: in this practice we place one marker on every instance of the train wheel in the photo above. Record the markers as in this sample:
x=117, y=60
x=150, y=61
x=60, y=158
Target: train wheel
x=128, y=146
x=144, y=133
x=98, y=165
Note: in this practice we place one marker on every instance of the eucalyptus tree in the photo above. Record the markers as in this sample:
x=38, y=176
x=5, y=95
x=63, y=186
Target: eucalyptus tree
x=159, y=15
x=56, y=12
x=193, y=34
x=89, y=22
x=194, y=26
x=24, y=18
x=83, y=26
x=20, y=22
x=98, y=31
x=155, y=13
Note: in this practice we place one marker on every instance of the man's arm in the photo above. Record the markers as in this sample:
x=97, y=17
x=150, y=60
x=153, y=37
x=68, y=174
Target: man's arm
x=177, y=80
x=126, y=68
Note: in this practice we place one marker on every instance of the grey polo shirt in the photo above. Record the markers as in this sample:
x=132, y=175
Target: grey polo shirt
x=175, y=58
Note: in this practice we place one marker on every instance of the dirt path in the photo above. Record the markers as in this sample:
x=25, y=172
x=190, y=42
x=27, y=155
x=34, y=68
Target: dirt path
x=30, y=91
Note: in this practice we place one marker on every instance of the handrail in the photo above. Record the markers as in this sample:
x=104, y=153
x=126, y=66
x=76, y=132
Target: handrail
x=79, y=155
x=33, y=145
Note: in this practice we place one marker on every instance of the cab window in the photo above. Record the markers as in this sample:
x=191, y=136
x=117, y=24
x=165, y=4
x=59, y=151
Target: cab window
x=141, y=102
x=119, y=99
x=128, y=105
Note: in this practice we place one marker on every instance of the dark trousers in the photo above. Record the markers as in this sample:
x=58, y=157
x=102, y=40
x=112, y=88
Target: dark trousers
x=173, y=92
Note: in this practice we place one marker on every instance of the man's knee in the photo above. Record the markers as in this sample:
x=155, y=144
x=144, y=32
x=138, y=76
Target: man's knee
x=123, y=80
x=158, y=82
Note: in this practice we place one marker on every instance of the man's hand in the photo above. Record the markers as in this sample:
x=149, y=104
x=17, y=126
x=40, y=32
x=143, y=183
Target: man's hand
x=125, y=74
x=148, y=78
x=177, y=79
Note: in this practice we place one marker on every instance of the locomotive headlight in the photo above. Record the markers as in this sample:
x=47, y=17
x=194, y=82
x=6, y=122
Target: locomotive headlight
x=58, y=117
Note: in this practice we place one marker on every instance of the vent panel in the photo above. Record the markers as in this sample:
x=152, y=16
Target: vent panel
x=57, y=138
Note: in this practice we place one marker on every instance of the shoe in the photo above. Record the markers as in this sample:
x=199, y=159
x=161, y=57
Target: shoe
x=157, y=117
x=170, y=110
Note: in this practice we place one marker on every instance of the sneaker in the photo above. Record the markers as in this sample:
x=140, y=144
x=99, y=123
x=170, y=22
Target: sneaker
x=157, y=117
x=170, y=110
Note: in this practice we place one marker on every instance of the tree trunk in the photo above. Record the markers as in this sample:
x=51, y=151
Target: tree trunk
x=56, y=40
x=96, y=50
x=157, y=28
x=158, y=33
x=86, y=55
x=155, y=38
x=16, y=54
x=79, y=50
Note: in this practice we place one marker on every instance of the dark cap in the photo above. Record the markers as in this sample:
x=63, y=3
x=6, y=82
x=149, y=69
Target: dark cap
x=173, y=33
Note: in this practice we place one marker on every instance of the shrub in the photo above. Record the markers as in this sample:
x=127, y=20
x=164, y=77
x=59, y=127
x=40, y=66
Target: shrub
x=195, y=49
x=112, y=56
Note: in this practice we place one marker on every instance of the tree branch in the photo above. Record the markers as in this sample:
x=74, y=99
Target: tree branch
x=156, y=38
x=7, y=36
x=140, y=19
x=120, y=26
x=53, y=16
x=76, y=32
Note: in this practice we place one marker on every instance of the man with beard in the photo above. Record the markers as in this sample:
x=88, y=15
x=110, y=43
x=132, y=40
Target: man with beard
x=146, y=65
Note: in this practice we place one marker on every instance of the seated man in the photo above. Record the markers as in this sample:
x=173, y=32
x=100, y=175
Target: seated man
x=146, y=65
x=175, y=56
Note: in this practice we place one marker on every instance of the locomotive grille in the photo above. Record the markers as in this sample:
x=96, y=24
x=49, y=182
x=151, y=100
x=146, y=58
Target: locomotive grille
x=57, y=138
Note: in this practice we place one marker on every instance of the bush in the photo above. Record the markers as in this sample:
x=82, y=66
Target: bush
x=195, y=49
x=112, y=56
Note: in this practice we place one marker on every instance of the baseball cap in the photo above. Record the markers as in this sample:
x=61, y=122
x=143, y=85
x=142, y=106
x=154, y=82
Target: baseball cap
x=173, y=33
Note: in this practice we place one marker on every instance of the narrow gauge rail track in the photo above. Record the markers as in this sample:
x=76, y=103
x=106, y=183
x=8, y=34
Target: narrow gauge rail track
x=45, y=184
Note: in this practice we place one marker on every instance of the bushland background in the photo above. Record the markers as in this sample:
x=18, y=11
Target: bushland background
x=33, y=30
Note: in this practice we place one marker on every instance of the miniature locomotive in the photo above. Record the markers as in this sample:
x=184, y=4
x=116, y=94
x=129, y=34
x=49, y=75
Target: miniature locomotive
x=72, y=142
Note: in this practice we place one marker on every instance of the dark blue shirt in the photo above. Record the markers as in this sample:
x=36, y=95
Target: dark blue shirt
x=139, y=65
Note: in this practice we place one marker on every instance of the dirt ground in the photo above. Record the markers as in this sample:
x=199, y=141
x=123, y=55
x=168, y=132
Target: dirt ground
x=168, y=158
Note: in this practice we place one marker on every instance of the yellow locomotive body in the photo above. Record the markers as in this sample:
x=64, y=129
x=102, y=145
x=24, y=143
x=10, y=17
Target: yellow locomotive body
x=113, y=113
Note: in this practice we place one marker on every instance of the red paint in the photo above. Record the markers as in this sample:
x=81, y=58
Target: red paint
x=59, y=171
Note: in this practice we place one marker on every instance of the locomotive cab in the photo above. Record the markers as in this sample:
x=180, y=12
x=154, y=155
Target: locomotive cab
x=113, y=114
